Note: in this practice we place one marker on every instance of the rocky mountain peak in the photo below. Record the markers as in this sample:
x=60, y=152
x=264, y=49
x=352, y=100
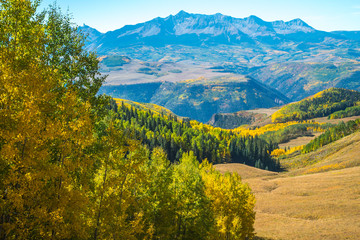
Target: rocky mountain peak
x=182, y=14
x=204, y=30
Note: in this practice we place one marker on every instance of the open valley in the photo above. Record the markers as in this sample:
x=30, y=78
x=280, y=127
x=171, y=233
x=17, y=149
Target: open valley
x=179, y=120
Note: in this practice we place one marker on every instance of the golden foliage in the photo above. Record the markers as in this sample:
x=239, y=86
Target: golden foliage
x=65, y=174
x=232, y=204
x=326, y=168
x=44, y=131
x=278, y=152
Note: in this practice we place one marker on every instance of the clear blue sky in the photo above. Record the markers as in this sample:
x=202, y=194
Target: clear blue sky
x=106, y=15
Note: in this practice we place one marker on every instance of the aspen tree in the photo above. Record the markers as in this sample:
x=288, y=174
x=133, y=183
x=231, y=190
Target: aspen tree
x=45, y=128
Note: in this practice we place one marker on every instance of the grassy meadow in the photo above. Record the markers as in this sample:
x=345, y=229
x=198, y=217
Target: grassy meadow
x=317, y=197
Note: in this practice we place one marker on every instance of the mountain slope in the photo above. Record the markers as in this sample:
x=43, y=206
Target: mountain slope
x=321, y=104
x=354, y=35
x=91, y=33
x=234, y=120
x=302, y=79
x=201, y=98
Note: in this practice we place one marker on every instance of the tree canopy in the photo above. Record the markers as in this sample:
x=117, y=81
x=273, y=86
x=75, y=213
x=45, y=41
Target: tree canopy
x=69, y=169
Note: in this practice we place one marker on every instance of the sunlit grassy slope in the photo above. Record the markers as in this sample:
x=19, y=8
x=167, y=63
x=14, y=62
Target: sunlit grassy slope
x=317, y=206
x=343, y=153
x=318, y=197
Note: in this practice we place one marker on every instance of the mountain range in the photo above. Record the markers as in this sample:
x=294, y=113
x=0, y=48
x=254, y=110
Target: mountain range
x=291, y=59
x=209, y=30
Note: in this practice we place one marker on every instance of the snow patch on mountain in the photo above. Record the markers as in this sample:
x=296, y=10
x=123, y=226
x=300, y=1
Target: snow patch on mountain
x=131, y=32
x=150, y=31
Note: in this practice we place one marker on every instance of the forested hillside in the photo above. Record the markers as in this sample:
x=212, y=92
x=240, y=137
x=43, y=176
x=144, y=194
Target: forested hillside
x=332, y=134
x=254, y=146
x=68, y=168
x=321, y=104
x=348, y=112
x=179, y=136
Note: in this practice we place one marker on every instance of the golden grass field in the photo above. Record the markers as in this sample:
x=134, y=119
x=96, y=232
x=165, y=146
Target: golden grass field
x=334, y=121
x=303, y=204
x=343, y=153
x=299, y=141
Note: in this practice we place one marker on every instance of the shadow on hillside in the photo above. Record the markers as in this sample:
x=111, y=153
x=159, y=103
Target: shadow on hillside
x=281, y=169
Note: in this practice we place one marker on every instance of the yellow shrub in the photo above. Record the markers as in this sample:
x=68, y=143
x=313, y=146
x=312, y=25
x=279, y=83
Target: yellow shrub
x=278, y=152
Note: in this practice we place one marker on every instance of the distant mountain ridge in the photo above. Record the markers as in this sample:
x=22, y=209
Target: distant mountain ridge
x=199, y=30
x=91, y=33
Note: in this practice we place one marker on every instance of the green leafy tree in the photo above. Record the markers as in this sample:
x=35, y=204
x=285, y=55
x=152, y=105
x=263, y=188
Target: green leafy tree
x=65, y=51
x=118, y=212
x=193, y=218
x=159, y=210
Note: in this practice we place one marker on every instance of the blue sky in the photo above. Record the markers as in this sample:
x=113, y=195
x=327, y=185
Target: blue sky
x=106, y=15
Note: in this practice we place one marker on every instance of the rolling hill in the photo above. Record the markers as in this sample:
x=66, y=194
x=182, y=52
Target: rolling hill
x=321, y=104
x=304, y=207
x=317, y=197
